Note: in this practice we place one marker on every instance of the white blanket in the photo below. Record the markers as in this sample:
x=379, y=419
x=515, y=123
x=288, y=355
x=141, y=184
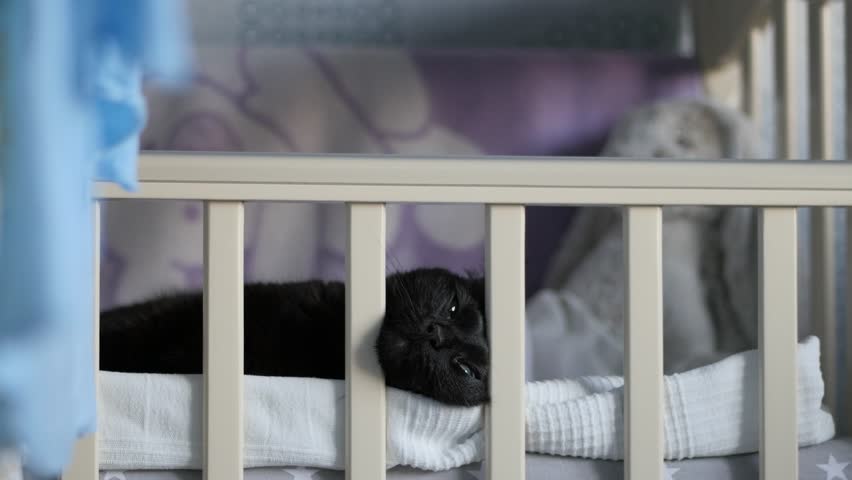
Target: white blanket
x=154, y=421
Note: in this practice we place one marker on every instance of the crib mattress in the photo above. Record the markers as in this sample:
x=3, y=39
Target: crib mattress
x=827, y=460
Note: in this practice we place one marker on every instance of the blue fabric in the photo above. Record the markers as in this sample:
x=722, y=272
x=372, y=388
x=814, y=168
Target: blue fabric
x=73, y=110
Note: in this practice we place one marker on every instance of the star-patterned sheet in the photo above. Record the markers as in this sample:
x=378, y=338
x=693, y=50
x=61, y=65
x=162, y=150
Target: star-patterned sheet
x=827, y=461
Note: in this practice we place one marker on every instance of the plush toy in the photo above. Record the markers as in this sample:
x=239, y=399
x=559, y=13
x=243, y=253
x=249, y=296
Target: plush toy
x=709, y=253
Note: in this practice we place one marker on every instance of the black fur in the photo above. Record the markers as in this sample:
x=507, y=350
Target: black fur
x=298, y=330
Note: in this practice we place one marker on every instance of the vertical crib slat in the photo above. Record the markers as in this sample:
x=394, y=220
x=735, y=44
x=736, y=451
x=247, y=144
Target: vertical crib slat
x=822, y=253
x=754, y=56
x=788, y=24
x=823, y=298
x=223, y=340
x=847, y=27
x=847, y=50
x=821, y=62
x=847, y=411
x=365, y=308
x=505, y=311
x=778, y=329
x=85, y=463
x=643, y=343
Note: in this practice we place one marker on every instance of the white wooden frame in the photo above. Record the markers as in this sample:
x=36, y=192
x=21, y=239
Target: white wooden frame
x=366, y=183
x=823, y=143
x=643, y=382
x=506, y=185
x=790, y=20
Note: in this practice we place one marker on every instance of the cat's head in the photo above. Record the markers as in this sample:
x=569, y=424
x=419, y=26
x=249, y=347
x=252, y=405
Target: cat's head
x=433, y=340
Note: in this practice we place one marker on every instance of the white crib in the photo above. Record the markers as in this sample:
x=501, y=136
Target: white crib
x=641, y=186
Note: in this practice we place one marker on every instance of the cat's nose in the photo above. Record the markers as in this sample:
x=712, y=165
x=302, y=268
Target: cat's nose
x=437, y=335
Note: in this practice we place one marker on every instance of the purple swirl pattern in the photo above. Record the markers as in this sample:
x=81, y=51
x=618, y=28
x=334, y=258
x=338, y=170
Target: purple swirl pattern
x=370, y=101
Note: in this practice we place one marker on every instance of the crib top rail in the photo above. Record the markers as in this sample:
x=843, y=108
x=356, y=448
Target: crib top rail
x=515, y=180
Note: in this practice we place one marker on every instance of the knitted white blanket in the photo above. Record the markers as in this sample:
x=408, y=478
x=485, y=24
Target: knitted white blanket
x=154, y=421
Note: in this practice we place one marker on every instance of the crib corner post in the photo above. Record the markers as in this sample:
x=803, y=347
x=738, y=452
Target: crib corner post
x=85, y=462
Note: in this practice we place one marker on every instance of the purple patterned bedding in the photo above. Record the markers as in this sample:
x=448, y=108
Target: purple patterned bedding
x=264, y=99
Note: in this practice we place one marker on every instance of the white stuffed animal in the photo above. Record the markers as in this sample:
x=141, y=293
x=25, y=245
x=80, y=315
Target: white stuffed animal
x=704, y=248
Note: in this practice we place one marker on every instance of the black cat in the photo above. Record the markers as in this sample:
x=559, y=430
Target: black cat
x=432, y=340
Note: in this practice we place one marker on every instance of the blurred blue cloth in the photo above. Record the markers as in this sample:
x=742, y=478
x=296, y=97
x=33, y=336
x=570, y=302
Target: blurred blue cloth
x=72, y=112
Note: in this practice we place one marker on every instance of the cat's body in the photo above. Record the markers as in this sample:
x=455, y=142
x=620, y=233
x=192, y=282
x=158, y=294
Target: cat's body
x=291, y=329
x=432, y=339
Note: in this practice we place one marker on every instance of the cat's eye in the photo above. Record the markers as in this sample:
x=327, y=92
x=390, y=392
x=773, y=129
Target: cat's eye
x=453, y=309
x=464, y=367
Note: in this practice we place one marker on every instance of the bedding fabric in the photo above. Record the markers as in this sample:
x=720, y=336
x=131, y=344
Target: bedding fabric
x=406, y=102
x=830, y=460
x=152, y=421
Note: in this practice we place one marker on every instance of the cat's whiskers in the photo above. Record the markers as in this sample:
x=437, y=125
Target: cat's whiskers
x=405, y=296
x=411, y=303
x=392, y=265
x=400, y=289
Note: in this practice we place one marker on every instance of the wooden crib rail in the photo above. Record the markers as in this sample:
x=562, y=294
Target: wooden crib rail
x=506, y=420
x=777, y=343
x=365, y=307
x=203, y=168
x=823, y=145
x=84, y=464
x=643, y=344
x=777, y=187
x=815, y=53
x=847, y=22
x=789, y=22
x=495, y=180
x=223, y=340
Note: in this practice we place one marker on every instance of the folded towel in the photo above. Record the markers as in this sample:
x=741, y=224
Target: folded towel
x=154, y=421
